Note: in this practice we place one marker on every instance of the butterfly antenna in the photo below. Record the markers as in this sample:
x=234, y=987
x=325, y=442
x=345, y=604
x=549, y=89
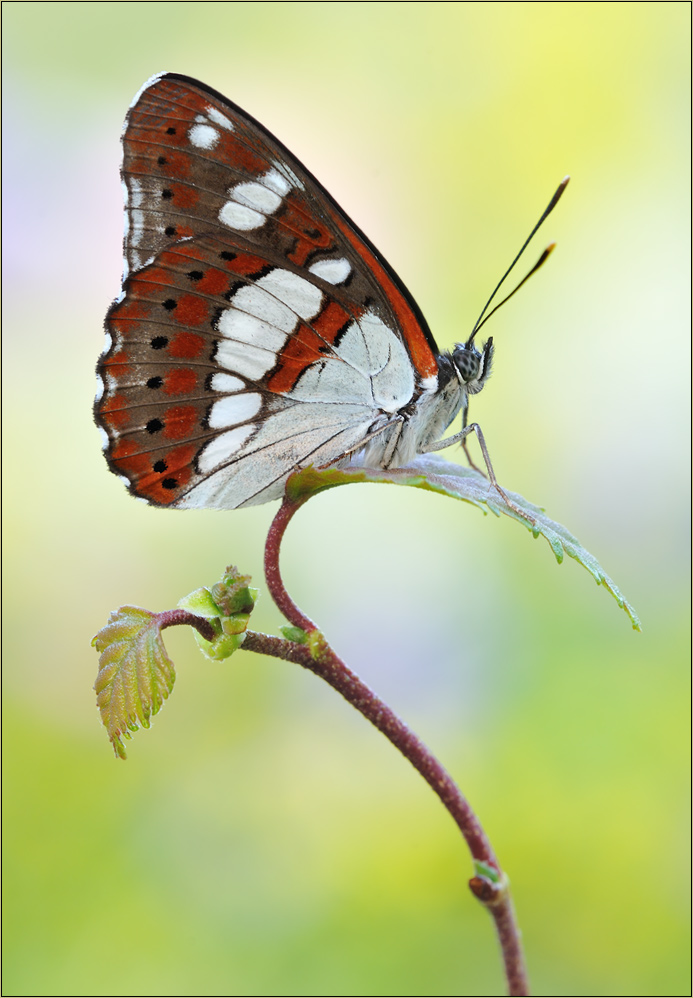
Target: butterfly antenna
x=542, y=259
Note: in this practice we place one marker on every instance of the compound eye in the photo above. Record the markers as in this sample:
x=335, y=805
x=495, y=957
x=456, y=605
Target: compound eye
x=467, y=362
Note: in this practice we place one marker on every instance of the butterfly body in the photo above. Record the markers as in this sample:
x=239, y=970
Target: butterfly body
x=258, y=330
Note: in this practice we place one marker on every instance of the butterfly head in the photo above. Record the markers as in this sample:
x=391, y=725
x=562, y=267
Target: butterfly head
x=474, y=367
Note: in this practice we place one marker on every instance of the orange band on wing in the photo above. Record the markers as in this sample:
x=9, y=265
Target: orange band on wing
x=417, y=344
x=306, y=346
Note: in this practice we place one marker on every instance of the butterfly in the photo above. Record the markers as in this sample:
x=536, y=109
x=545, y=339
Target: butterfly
x=258, y=330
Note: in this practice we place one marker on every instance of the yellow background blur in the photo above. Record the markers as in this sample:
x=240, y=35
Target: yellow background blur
x=261, y=840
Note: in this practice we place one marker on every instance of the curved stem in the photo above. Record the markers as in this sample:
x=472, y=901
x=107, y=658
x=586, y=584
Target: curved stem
x=172, y=618
x=334, y=671
x=272, y=574
x=490, y=885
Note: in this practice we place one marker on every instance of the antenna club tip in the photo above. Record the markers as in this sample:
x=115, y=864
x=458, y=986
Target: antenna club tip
x=565, y=180
x=550, y=248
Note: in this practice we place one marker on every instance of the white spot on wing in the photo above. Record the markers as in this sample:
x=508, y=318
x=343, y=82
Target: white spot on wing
x=105, y=442
x=137, y=219
x=245, y=328
x=276, y=182
x=299, y=294
x=234, y=409
x=218, y=118
x=290, y=175
x=226, y=383
x=249, y=361
x=222, y=447
x=136, y=193
x=107, y=341
x=255, y=328
x=279, y=298
x=430, y=384
x=252, y=201
x=99, y=388
x=332, y=271
x=257, y=196
x=239, y=216
x=203, y=136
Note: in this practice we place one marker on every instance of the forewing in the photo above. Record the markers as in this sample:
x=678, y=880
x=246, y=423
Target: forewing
x=193, y=162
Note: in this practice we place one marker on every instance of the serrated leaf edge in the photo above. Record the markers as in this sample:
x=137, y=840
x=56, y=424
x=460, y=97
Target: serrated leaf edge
x=141, y=689
x=442, y=476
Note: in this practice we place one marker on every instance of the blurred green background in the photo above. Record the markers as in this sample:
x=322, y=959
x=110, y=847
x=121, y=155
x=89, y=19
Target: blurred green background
x=261, y=840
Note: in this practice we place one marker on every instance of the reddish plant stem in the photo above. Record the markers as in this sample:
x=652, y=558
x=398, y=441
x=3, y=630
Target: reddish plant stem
x=272, y=574
x=319, y=657
x=335, y=672
x=171, y=618
x=499, y=905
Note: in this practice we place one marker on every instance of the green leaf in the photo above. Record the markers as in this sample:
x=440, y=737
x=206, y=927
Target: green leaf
x=227, y=606
x=135, y=673
x=223, y=646
x=295, y=634
x=200, y=603
x=436, y=474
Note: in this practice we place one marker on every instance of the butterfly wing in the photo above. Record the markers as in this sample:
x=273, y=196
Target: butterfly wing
x=257, y=330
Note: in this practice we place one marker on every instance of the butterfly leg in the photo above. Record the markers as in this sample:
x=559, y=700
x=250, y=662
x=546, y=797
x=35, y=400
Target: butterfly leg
x=463, y=440
x=470, y=462
x=459, y=438
x=392, y=442
x=465, y=447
